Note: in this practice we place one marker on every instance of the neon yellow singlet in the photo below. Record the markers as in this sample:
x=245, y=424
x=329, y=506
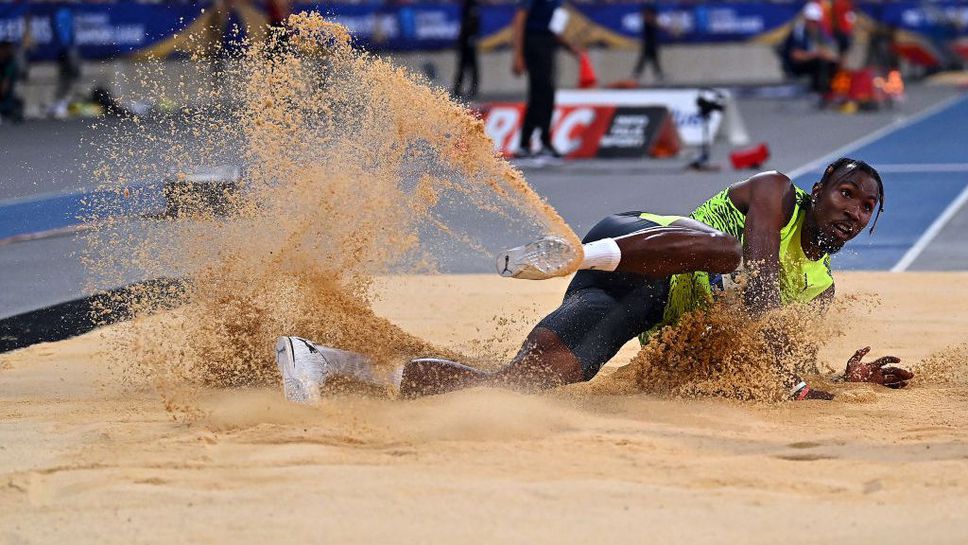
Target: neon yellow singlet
x=801, y=280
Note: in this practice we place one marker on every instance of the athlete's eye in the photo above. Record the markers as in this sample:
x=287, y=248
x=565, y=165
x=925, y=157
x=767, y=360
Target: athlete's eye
x=868, y=208
x=845, y=193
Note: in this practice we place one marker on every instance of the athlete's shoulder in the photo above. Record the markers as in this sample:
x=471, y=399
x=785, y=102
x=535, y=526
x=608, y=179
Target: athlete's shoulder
x=767, y=185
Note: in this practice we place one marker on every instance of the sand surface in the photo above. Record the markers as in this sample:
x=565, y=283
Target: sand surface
x=85, y=459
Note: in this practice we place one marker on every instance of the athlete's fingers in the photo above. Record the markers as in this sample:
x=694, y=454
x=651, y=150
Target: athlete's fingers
x=859, y=355
x=902, y=374
x=885, y=360
x=896, y=385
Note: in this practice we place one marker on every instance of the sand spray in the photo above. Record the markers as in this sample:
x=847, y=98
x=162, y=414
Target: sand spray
x=352, y=168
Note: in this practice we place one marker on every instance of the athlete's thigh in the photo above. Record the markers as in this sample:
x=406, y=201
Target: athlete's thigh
x=595, y=322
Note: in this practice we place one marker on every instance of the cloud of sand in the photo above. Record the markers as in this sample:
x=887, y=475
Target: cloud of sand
x=352, y=168
x=723, y=351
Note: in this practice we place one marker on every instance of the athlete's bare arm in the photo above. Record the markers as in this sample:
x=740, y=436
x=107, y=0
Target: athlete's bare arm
x=767, y=199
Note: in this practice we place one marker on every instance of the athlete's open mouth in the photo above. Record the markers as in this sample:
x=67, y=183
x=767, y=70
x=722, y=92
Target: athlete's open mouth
x=843, y=230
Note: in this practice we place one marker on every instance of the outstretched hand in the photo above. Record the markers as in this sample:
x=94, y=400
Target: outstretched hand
x=878, y=371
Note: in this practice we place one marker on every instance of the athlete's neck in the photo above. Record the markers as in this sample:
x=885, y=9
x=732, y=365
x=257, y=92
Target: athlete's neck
x=809, y=235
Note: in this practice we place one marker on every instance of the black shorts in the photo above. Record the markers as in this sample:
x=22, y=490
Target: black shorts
x=604, y=310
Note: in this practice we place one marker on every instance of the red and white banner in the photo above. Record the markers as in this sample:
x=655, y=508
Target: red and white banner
x=584, y=131
x=615, y=123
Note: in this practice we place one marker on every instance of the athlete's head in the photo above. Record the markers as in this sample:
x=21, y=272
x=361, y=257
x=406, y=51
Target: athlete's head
x=843, y=201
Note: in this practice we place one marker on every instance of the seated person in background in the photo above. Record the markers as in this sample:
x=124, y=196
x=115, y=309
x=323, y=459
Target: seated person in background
x=810, y=51
x=11, y=106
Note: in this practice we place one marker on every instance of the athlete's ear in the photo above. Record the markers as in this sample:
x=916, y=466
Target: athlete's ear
x=817, y=189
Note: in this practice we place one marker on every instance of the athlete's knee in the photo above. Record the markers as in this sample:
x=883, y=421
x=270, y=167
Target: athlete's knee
x=544, y=361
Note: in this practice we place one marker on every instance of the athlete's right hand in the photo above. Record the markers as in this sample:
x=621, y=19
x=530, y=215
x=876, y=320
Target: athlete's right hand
x=877, y=371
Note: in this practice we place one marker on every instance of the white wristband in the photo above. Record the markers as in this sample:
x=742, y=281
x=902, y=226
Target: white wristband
x=601, y=255
x=797, y=388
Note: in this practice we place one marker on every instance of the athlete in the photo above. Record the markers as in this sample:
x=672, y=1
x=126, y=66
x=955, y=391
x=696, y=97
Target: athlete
x=641, y=271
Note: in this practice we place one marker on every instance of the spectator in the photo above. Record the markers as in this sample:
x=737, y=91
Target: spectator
x=649, y=54
x=535, y=43
x=68, y=60
x=470, y=27
x=809, y=51
x=11, y=107
x=842, y=18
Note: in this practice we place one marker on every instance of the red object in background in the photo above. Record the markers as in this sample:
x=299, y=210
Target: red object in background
x=960, y=46
x=862, y=86
x=586, y=72
x=586, y=131
x=667, y=143
x=750, y=158
x=918, y=54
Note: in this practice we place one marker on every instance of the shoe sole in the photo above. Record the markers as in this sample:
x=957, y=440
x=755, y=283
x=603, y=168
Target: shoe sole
x=538, y=260
x=294, y=388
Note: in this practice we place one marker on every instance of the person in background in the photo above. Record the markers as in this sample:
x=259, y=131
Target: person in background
x=810, y=51
x=470, y=27
x=649, y=53
x=11, y=107
x=535, y=44
x=68, y=61
x=843, y=17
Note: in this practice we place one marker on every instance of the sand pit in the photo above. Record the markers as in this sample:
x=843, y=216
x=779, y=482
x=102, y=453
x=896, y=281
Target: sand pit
x=86, y=459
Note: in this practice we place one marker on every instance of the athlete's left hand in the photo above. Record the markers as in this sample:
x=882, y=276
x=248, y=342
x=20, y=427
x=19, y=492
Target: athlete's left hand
x=875, y=371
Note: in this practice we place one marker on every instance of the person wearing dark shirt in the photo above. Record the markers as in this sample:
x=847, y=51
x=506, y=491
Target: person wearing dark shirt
x=68, y=60
x=470, y=27
x=535, y=44
x=649, y=53
x=810, y=51
x=11, y=107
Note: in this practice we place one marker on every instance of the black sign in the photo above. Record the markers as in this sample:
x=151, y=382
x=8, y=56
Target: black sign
x=631, y=132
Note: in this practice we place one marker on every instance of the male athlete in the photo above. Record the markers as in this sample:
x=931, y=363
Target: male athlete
x=641, y=271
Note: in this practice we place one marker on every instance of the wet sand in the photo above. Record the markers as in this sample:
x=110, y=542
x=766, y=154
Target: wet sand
x=87, y=459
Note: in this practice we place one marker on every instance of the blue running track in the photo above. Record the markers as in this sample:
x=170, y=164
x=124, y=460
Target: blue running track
x=924, y=166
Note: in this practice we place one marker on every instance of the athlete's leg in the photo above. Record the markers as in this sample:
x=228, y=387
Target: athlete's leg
x=601, y=311
x=655, y=250
x=685, y=245
x=543, y=362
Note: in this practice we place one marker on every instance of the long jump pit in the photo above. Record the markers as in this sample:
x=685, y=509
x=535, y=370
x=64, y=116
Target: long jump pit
x=360, y=182
x=89, y=459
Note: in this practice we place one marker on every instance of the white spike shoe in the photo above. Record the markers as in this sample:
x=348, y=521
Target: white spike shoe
x=304, y=369
x=544, y=258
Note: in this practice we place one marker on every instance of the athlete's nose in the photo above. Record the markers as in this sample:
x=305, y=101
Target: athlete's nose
x=853, y=212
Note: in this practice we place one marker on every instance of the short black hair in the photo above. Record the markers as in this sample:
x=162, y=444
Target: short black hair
x=844, y=162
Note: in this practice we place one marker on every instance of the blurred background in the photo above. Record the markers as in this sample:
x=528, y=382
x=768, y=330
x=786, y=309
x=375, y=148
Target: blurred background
x=57, y=54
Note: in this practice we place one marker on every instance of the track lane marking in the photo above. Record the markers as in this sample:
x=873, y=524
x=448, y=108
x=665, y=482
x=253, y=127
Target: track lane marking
x=824, y=160
x=932, y=231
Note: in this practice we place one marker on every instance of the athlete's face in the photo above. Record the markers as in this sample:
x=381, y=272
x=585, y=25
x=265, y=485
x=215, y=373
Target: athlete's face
x=842, y=207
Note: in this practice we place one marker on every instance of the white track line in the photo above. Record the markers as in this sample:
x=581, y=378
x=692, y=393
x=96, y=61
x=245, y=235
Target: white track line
x=939, y=223
x=823, y=161
x=932, y=231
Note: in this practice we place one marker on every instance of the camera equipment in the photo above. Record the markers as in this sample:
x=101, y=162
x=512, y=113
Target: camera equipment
x=708, y=101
